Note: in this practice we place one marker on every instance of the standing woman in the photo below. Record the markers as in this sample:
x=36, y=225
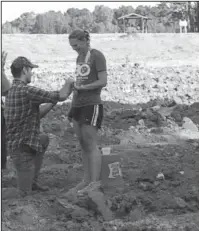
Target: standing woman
x=87, y=109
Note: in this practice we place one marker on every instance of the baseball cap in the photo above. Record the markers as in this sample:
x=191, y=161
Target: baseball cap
x=21, y=61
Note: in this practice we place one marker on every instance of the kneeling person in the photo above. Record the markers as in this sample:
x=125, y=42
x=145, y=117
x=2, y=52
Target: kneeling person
x=26, y=145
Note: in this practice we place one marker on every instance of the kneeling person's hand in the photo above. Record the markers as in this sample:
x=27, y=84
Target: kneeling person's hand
x=67, y=89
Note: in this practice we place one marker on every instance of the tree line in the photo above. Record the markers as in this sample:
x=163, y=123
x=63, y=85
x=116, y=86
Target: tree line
x=164, y=18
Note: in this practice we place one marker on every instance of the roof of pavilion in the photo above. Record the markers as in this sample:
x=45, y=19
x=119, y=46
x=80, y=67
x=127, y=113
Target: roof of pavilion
x=133, y=16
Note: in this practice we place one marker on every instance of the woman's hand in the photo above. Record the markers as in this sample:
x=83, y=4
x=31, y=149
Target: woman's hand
x=79, y=88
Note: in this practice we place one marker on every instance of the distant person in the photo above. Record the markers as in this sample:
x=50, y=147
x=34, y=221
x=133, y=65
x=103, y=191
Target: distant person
x=5, y=86
x=26, y=145
x=87, y=109
x=183, y=25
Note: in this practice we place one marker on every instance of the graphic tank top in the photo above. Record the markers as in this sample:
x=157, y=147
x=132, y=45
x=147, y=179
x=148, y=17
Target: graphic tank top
x=86, y=73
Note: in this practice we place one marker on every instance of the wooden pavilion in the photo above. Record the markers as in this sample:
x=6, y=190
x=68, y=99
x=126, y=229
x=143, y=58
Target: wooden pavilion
x=126, y=18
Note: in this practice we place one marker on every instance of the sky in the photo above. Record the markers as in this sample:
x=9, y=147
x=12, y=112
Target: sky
x=12, y=10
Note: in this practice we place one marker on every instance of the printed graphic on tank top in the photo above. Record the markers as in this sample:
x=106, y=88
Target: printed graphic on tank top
x=83, y=70
x=86, y=73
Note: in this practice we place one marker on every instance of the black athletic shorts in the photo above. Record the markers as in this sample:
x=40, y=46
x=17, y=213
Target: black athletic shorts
x=91, y=115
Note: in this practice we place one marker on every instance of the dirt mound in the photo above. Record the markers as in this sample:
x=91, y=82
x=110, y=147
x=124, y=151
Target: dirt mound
x=182, y=111
x=151, y=87
x=148, y=201
x=132, y=115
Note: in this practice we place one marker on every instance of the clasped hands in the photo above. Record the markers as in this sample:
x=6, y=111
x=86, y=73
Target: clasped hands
x=69, y=87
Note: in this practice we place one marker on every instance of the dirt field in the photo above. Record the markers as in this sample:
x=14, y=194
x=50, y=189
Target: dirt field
x=143, y=123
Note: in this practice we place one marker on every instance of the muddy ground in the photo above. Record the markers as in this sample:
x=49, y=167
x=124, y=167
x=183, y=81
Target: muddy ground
x=149, y=140
x=147, y=203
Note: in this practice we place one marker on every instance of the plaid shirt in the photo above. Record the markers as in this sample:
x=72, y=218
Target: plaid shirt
x=22, y=114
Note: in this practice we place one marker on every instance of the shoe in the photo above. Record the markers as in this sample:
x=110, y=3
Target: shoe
x=93, y=186
x=36, y=187
x=81, y=185
x=78, y=187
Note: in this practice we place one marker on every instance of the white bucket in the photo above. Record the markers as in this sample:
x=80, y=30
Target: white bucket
x=106, y=151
